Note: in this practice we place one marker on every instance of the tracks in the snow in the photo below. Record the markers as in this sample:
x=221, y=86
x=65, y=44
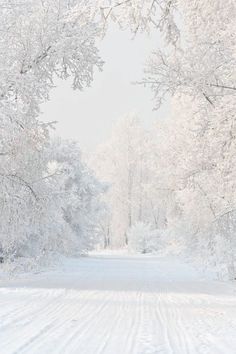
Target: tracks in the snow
x=117, y=305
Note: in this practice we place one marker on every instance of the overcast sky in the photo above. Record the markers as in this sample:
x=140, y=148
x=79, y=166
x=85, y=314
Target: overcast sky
x=88, y=116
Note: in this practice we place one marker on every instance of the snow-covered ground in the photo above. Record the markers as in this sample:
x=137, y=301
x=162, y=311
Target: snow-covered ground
x=118, y=304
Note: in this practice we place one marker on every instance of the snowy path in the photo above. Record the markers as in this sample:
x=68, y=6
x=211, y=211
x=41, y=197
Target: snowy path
x=118, y=304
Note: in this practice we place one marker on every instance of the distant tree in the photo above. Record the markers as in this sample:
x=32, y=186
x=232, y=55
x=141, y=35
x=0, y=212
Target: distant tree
x=142, y=238
x=120, y=163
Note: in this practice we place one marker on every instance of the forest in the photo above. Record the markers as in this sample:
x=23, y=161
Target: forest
x=128, y=248
x=172, y=185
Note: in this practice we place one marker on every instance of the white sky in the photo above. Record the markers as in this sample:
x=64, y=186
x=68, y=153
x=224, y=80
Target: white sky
x=88, y=116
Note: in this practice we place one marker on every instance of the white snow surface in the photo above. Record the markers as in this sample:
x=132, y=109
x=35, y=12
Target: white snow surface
x=117, y=304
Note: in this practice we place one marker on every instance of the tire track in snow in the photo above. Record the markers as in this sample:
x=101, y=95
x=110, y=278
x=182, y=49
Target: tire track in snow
x=136, y=324
x=114, y=318
x=60, y=321
x=26, y=334
x=91, y=318
x=177, y=337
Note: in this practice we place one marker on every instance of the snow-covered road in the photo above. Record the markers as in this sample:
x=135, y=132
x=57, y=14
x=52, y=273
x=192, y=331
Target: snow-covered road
x=118, y=304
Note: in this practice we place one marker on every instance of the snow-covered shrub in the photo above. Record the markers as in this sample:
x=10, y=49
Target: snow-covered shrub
x=141, y=238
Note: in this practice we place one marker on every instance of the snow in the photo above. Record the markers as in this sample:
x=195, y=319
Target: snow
x=117, y=303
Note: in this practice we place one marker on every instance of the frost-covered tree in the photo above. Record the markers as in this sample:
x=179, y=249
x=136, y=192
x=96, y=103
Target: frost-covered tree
x=40, y=40
x=199, y=58
x=197, y=70
x=206, y=169
x=121, y=163
x=202, y=64
x=77, y=195
x=195, y=169
x=142, y=15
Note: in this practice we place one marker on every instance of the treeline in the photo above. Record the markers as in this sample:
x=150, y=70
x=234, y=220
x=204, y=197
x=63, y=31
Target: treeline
x=169, y=188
